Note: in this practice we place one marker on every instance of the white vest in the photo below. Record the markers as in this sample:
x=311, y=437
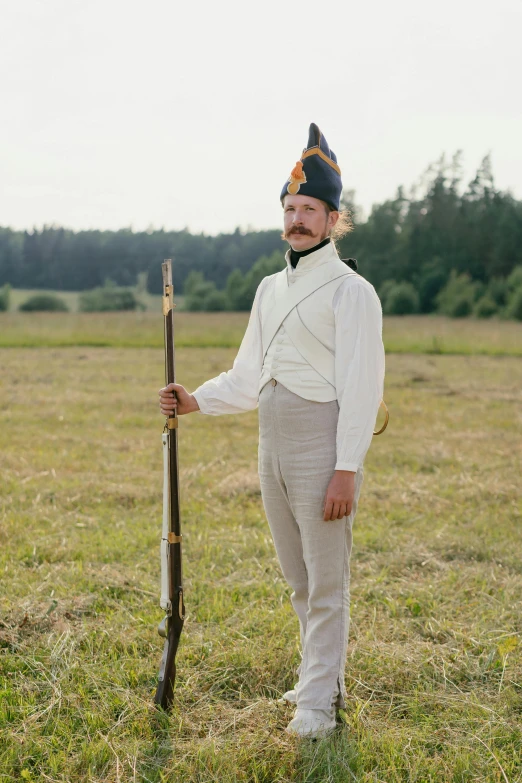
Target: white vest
x=310, y=323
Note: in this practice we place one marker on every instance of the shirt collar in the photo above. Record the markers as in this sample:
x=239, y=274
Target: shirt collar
x=306, y=263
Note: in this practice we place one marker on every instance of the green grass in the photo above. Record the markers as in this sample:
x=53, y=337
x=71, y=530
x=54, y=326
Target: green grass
x=434, y=671
x=18, y=296
x=412, y=334
x=124, y=330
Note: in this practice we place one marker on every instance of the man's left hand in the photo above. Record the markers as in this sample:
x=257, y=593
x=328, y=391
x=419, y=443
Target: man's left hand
x=339, y=495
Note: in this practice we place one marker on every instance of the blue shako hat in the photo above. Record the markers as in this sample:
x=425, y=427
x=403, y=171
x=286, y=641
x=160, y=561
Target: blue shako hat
x=316, y=173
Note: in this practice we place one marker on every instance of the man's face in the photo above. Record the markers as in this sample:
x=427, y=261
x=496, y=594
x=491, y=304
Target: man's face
x=306, y=222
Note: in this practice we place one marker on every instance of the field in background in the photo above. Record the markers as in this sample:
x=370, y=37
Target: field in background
x=434, y=670
x=20, y=295
x=402, y=334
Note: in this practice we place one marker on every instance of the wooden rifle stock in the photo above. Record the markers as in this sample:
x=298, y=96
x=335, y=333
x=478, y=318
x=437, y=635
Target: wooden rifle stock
x=171, y=579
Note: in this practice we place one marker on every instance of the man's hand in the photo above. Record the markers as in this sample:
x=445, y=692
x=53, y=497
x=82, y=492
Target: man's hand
x=182, y=401
x=339, y=495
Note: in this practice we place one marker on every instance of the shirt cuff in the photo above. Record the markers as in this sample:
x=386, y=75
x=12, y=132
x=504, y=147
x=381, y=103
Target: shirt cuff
x=347, y=466
x=201, y=402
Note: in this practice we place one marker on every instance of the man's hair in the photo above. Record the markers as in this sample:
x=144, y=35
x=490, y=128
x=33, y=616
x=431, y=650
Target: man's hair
x=344, y=224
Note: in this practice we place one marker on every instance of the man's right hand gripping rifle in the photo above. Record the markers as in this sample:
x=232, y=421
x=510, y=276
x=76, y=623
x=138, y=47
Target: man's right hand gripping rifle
x=182, y=402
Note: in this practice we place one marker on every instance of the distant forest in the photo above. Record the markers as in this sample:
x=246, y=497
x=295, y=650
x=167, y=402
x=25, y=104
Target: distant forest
x=421, y=236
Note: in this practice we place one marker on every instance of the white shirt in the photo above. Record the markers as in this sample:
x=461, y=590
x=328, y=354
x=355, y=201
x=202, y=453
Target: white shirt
x=356, y=340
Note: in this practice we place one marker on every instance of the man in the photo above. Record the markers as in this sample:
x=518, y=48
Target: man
x=312, y=359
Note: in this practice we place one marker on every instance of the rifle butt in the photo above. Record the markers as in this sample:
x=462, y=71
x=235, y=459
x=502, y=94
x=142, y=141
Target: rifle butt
x=164, y=695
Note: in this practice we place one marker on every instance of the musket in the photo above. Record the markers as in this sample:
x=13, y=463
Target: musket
x=171, y=577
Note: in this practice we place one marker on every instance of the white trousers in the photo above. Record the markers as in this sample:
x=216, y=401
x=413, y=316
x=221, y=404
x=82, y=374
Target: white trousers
x=297, y=456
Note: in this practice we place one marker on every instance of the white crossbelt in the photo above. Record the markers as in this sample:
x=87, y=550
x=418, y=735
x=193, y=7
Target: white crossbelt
x=285, y=311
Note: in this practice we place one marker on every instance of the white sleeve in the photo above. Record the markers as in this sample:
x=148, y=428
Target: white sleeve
x=237, y=390
x=359, y=369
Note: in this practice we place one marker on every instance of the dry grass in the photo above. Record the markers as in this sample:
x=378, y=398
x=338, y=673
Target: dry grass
x=434, y=670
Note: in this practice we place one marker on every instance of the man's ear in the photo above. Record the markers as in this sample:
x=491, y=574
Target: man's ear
x=333, y=217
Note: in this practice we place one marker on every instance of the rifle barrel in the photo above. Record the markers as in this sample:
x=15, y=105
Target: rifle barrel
x=171, y=562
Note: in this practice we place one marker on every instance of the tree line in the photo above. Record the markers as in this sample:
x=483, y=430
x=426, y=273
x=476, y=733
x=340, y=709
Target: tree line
x=442, y=234
x=440, y=246
x=64, y=260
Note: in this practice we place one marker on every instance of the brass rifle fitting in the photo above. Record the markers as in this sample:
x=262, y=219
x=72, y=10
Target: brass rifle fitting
x=168, y=304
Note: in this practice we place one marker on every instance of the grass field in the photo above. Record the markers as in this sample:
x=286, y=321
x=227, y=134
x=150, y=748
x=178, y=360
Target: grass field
x=411, y=334
x=434, y=671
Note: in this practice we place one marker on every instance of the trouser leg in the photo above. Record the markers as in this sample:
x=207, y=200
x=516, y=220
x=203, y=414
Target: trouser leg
x=283, y=526
x=326, y=552
x=287, y=541
x=297, y=456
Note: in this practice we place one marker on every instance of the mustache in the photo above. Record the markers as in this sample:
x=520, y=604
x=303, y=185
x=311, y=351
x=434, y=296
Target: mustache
x=299, y=230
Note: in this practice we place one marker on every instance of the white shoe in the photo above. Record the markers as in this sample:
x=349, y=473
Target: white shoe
x=312, y=723
x=290, y=697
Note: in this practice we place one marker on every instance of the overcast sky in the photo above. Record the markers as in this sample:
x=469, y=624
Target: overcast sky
x=121, y=113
